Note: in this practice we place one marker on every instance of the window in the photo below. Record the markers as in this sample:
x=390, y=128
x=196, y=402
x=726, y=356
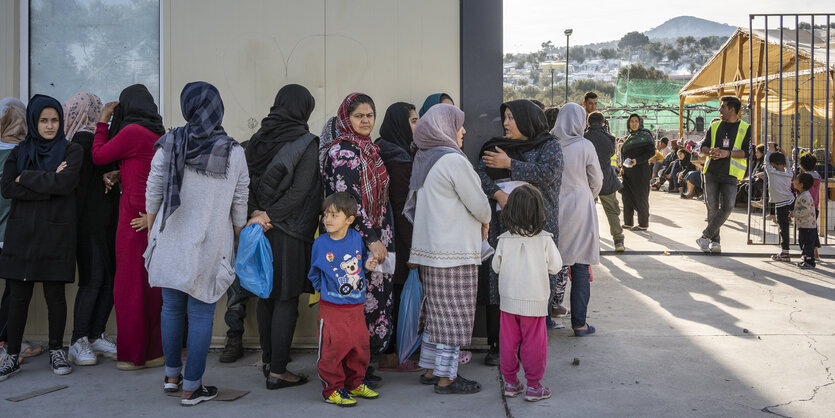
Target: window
x=98, y=46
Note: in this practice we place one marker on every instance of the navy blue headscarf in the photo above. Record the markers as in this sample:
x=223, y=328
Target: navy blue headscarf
x=432, y=100
x=201, y=144
x=36, y=152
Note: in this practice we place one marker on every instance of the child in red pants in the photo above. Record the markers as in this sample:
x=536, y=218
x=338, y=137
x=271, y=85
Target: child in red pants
x=336, y=271
x=524, y=258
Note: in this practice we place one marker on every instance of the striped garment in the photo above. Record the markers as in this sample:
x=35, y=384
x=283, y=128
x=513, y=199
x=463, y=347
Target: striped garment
x=440, y=358
x=449, y=303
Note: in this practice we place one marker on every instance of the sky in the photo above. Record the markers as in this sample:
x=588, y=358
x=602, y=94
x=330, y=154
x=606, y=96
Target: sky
x=528, y=23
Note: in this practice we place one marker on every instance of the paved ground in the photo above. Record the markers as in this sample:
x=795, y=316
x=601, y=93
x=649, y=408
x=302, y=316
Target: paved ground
x=678, y=335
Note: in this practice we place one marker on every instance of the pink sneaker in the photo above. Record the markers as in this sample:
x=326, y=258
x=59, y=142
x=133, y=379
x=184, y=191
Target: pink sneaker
x=537, y=394
x=511, y=391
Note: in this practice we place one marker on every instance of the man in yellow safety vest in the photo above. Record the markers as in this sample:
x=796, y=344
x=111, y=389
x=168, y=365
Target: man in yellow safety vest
x=726, y=145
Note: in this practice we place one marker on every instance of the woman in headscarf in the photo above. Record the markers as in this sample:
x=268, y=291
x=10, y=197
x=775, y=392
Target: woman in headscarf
x=353, y=165
x=196, y=201
x=98, y=211
x=581, y=182
x=434, y=99
x=129, y=140
x=284, y=198
x=12, y=131
x=40, y=176
x=526, y=153
x=636, y=151
x=450, y=214
x=395, y=144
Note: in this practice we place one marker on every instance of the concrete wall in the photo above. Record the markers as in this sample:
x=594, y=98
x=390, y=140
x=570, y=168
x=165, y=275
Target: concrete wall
x=391, y=50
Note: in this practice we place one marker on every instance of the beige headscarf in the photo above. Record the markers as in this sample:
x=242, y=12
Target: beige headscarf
x=12, y=121
x=81, y=112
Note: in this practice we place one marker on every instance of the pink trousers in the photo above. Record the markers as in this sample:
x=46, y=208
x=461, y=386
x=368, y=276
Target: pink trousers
x=529, y=333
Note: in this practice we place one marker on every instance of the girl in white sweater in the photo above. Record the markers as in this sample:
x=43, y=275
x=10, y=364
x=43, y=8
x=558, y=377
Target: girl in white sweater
x=524, y=257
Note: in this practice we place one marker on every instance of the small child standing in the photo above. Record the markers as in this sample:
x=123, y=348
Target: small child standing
x=336, y=271
x=808, y=162
x=806, y=219
x=525, y=256
x=781, y=195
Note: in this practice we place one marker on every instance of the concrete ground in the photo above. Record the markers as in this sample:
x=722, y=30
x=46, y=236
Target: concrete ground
x=683, y=334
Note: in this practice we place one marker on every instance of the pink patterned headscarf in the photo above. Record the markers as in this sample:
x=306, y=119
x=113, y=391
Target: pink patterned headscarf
x=81, y=112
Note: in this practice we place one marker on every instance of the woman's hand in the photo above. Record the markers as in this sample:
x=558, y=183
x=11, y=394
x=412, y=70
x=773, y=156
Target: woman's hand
x=379, y=250
x=501, y=198
x=260, y=217
x=485, y=228
x=107, y=113
x=371, y=264
x=140, y=223
x=110, y=179
x=61, y=167
x=497, y=159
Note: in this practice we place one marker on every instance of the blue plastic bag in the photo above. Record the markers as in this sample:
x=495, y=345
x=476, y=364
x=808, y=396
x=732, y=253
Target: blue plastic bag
x=408, y=317
x=254, y=262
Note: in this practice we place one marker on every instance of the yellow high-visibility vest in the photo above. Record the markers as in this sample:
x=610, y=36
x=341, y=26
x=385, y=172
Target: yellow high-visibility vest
x=738, y=166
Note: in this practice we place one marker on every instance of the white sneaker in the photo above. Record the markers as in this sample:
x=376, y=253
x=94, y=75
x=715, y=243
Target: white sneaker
x=58, y=362
x=704, y=244
x=82, y=354
x=715, y=247
x=104, y=346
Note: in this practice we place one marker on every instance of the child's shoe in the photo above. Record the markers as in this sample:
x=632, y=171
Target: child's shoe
x=342, y=398
x=511, y=391
x=537, y=394
x=9, y=367
x=362, y=391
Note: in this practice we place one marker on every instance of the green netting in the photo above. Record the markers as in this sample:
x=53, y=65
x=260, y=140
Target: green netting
x=657, y=102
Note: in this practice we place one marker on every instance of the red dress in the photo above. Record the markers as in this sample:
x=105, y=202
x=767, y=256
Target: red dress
x=136, y=303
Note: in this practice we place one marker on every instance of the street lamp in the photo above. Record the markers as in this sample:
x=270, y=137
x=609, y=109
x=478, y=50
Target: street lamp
x=552, y=85
x=568, y=33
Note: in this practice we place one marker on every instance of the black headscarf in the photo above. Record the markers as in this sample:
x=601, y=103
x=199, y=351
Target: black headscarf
x=136, y=105
x=395, y=140
x=36, y=152
x=530, y=120
x=286, y=122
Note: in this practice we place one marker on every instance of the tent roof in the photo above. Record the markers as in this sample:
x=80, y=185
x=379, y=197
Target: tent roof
x=727, y=72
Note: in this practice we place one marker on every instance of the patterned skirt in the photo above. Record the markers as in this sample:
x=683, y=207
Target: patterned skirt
x=378, y=308
x=449, y=303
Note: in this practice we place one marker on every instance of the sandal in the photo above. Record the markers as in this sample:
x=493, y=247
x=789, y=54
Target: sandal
x=640, y=228
x=407, y=366
x=459, y=386
x=429, y=380
x=29, y=349
x=464, y=356
x=583, y=332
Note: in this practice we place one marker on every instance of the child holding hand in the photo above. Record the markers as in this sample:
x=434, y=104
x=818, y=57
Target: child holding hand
x=336, y=271
x=525, y=256
x=805, y=219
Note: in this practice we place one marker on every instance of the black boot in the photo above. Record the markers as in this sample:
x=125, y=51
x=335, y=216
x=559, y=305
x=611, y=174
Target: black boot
x=233, y=350
x=492, y=357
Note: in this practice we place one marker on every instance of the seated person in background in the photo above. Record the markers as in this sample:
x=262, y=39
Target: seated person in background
x=674, y=172
x=666, y=167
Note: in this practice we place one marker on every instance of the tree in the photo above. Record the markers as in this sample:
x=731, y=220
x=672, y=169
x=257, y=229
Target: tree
x=673, y=55
x=633, y=39
x=641, y=72
x=608, y=53
x=577, y=54
x=508, y=58
x=548, y=46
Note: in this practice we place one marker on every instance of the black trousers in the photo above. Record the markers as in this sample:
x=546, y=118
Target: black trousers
x=276, y=326
x=783, y=222
x=94, y=300
x=636, y=194
x=56, y=304
x=806, y=238
x=4, y=313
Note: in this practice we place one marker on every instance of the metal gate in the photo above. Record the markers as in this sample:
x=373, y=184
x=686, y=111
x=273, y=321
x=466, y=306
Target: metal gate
x=790, y=104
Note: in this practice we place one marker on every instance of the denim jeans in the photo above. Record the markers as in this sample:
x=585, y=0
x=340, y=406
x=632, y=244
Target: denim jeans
x=720, y=194
x=176, y=305
x=236, y=300
x=580, y=294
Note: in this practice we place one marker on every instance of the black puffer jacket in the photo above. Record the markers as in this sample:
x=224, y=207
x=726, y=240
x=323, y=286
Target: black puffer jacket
x=604, y=144
x=290, y=189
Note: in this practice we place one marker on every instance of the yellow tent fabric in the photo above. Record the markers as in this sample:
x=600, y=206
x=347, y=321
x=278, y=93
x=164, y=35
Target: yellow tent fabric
x=727, y=72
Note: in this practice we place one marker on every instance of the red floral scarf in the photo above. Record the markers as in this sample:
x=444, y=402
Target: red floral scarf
x=374, y=179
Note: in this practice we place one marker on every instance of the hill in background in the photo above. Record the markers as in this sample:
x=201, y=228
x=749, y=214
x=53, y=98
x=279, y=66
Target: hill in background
x=683, y=26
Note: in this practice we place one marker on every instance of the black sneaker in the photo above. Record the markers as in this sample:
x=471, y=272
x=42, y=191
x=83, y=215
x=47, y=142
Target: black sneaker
x=9, y=366
x=205, y=393
x=233, y=350
x=58, y=362
x=492, y=357
x=169, y=387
